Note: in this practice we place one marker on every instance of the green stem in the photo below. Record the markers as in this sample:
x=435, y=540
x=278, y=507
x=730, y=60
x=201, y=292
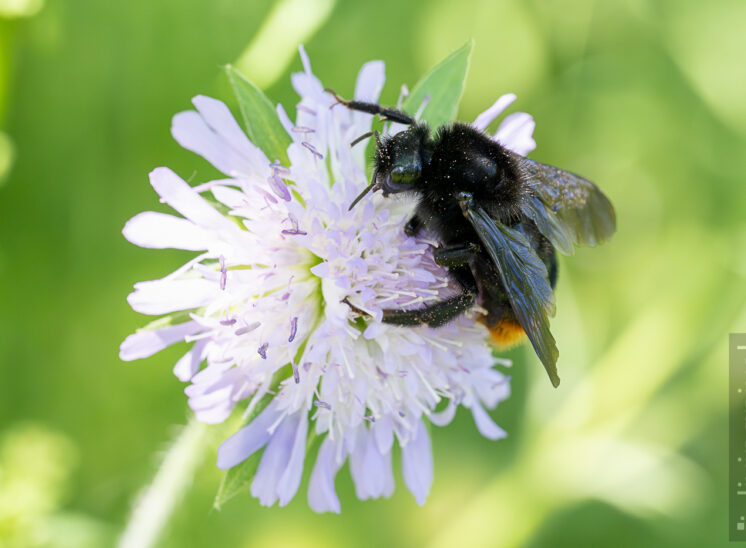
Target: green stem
x=156, y=504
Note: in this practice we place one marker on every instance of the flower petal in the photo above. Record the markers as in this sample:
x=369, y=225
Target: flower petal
x=241, y=445
x=322, y=496
x=417, y=464
x=160, y=231
x=516, y=133
x=286, y=122
x=485, y=424
x=444, y=417
x=290, y=479
x=180, y=196
x=484, y=119
x=189, y=363
x=388, y=475
x=164, y=296
x=370, y=82
x=384, y=433
x=229, y=196
x=191, y=131
x=147, y=342
x=368, y=467
x=274, y=461
x=219, y=118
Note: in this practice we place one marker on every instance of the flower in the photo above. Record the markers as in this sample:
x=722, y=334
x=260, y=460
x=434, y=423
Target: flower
x=265, y=302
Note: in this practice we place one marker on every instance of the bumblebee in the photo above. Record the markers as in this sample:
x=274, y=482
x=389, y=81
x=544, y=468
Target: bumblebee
x=498, y=216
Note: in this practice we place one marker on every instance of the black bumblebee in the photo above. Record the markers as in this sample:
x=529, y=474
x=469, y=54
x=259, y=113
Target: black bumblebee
x=499, y=218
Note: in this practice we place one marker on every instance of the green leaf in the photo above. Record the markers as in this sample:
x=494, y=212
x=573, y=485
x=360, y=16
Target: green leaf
x=238, y=479
x=445, y=85
x=260, y=117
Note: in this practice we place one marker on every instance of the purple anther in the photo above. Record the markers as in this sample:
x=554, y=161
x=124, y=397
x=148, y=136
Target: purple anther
x=278, y=187
x=313, y=150
x=278, y=168
x=267, y=195
x=295, y=231
x=228, y=322
x=262, y=350
x=296, y=374
x=369, y=418
x=223, y=273
x=293, y=328
x=247, y=328
x=319, y=403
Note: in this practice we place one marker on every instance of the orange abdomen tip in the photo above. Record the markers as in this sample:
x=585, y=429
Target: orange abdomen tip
x=507, y=333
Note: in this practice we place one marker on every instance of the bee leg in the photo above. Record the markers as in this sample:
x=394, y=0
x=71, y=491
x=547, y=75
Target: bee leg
x=442, y=312
x=455, y=255
x=434, y=315
x=413, y=226
x=374, y=108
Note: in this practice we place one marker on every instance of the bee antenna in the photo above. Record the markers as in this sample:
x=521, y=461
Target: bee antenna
x=372, y=186
x=365, y=136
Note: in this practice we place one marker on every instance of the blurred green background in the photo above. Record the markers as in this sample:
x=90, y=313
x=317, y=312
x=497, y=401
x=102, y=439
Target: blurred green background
x=647, y=98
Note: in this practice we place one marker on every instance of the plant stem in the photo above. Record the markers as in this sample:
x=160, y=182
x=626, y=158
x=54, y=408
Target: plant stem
x=156, y=504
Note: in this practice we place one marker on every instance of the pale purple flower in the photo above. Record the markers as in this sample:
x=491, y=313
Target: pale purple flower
x=269, y=289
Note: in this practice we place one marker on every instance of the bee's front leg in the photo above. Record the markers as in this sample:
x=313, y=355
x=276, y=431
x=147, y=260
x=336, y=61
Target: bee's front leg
x=374, y=108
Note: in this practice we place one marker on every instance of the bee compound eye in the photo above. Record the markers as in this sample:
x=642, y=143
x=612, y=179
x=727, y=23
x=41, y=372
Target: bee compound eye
x=405, y=174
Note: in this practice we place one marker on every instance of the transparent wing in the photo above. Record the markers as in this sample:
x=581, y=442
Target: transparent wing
x=568, y=209
x=524, y=277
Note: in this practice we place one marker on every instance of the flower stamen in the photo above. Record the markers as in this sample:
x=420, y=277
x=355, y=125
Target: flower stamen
x=293, y=328
x=313, y=150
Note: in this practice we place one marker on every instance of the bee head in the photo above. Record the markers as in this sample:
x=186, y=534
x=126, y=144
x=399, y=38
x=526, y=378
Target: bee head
x=400, y=159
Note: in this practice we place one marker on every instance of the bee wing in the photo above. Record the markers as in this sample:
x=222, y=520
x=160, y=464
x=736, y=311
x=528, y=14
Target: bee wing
x=525, y=279
x=568, y=209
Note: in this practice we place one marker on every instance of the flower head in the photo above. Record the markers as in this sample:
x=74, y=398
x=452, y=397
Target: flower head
x=271, y=304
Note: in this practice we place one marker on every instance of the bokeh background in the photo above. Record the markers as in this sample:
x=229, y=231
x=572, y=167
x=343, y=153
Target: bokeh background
x=647, y=98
